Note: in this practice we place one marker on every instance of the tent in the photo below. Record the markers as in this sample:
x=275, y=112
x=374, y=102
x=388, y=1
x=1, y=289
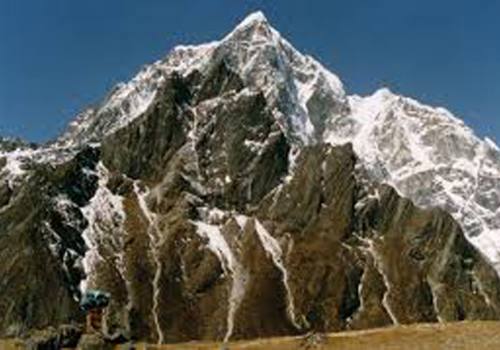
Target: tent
x=94, y=299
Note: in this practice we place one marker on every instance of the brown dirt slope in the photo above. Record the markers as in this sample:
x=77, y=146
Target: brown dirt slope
x=475, y=335
x=454, y=336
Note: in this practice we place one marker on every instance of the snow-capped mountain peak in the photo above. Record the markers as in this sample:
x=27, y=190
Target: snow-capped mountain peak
x=430, y=156
x=294, y=84
x=425, y=152
x=253, y=20
x=203, y=194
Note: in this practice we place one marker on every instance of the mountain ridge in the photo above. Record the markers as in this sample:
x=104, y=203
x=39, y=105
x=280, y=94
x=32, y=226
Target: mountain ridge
x=311, y=83
x=231, y=191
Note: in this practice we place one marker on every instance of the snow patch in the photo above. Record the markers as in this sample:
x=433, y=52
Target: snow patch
x=217, y=244
x=491, y=144
x=241, y=220
x=104, y=214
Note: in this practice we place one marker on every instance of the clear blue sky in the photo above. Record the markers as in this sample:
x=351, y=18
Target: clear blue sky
x=57, y=56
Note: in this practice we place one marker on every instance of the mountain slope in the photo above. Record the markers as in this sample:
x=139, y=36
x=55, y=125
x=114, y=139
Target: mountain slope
x=293, y=84
x=430, y=156
x=215, y=197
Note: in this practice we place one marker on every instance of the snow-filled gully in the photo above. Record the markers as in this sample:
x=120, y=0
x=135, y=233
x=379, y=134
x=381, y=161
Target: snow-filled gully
x=155, y=243
x=230, y=265
x=273, y=248
x=378, y=264
x=218, y=245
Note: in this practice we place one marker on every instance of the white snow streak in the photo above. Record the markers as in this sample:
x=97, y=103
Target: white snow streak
x=230, y=265
x=480, y=288
x=155, y=244
x=272, y=247
x=378, y=262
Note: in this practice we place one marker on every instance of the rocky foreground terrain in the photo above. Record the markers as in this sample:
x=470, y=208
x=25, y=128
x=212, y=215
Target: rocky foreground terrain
x=227, y=192
x=478, y=335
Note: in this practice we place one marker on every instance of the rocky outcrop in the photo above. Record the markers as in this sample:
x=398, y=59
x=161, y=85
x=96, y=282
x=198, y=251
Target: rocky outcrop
x=365, y=257
x=41, y=245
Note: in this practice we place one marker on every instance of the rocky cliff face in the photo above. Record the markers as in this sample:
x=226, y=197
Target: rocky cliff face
x=204, y=199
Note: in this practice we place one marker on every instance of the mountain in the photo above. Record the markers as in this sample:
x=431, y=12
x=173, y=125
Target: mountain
x=234, y=190
x=430, y=156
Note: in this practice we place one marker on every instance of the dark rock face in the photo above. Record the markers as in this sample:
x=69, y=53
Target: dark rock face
x=146, y=146
x=204, y=221
x=41, y=245
x=5, y=194
x=364, y=259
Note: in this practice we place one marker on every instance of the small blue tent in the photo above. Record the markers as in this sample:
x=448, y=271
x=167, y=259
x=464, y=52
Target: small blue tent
x=94, y=299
